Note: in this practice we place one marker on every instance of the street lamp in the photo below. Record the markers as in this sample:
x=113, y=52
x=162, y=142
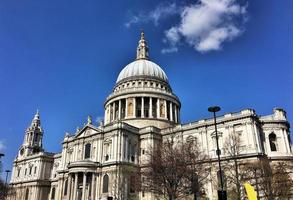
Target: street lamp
x=1, y=155
x=6, y=187
x=7, y=172
x=222, y=195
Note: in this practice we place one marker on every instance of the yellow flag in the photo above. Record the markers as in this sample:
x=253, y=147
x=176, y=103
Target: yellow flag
x=251, y=194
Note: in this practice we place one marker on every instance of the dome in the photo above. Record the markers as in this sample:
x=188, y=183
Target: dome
x=142, y=68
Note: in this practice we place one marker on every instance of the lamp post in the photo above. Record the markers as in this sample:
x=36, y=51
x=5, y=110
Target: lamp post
x=222, y=195
x=6, y=186
x=7, y=172
x=1, y=155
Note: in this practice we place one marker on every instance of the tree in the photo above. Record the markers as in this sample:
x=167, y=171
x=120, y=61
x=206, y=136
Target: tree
x=196, y=169
x=126, y=175
x=271, y=179
x=3, y=190
x=175, y=169
x=232, y=148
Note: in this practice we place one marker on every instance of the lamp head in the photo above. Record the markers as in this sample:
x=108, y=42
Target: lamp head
x=214, y=109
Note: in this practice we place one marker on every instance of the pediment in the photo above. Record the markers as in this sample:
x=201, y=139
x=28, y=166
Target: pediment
x=88, y=130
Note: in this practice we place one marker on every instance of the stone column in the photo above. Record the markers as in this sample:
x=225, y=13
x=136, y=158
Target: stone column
x=93, y=186
x=142, y=106
x=126, y=108
x=285, y=139
x=75, y=186
x=105, y=115
x=158, y=108
x=151, y=108
x=175, y=113
x=69, y=185
x=178, y=113
x=114, y=111
x=119, y=109
x=84, y=186
x=134, y=107
x=165, y=105
x=171, y=111
x=258, y=139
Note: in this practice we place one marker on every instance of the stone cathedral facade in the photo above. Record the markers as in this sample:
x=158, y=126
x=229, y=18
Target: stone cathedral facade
x=141, y=111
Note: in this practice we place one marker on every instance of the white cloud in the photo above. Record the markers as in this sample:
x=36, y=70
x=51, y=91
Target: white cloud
x=216, y=37
x=169, y=50
x=205, y=25
x=2, y=145
x=160, y=12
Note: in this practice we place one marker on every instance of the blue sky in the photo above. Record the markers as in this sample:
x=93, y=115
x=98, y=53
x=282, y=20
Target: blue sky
x=63, y=57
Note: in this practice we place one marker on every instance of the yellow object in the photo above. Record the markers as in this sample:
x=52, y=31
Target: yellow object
x=251, y=194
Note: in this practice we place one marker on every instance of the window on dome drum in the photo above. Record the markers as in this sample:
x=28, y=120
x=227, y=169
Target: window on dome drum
x=105, y=183
x=26, y=194
x=18, y=172
x=154, y=107
x=53, y=193
x=146, y=106
x=138, y=106
x=123, y=103
x=87, y=151
x=30, y=170
x=273, y=141
x=130, y=108
x=35, y=170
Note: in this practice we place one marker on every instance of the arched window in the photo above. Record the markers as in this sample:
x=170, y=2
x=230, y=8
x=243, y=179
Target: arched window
x=26, y=194
x=65, y=187
x=273, y=141
x=132, y=184
x=106, y=184
x=87, y=151
x=53, y=193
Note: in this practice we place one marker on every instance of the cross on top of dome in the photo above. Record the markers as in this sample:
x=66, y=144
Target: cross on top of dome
x=142, y=48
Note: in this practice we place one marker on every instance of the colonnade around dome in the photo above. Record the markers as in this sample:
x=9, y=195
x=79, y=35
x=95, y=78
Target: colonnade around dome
x=142, y=107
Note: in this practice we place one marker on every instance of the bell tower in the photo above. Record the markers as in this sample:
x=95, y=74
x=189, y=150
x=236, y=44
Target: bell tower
x=32, y=142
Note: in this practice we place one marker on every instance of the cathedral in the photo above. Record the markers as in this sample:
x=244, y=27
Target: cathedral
x=141, y=111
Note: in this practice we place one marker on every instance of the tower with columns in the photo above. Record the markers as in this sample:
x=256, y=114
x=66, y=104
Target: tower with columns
x=32, y=142
x=97, y=161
